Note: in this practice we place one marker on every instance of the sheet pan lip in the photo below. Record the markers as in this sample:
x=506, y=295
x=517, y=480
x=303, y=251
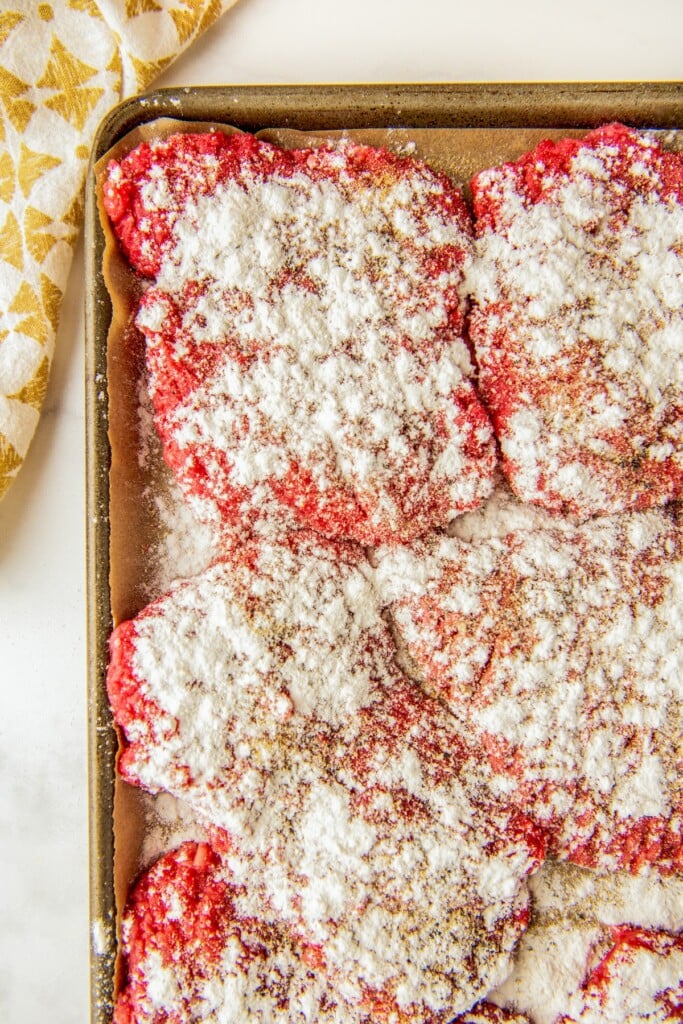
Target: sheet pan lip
x=328, y=106
x=102, y=740
x=419, y=104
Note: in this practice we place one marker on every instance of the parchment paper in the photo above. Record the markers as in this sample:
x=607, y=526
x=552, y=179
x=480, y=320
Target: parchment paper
x=141, y=824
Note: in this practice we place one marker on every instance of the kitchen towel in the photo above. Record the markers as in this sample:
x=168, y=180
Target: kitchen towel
x=63, y=65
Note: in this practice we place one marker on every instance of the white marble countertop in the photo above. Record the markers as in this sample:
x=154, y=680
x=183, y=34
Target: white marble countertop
x=43, y=772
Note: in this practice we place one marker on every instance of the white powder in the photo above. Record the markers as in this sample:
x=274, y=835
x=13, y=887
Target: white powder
x=549, y=967
x=642, y=984
x=184, y=543
x=501, y=514
x=169, y=821
x=572, y=911
x=162, y=986
x=336, y=839
x=99, y=939
x=646, y=900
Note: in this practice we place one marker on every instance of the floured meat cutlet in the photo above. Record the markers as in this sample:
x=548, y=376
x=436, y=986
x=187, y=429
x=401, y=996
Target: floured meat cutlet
x=266, y=696
x=577, y=325
x=191, y=952
x=304, y=331
x=561, y=652
x=640, y=978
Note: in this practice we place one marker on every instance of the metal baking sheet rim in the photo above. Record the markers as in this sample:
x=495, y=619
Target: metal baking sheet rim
x=657, y=105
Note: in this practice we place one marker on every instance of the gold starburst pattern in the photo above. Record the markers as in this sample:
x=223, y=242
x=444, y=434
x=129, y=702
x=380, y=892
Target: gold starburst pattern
x=8, y=22
x=147, y=70
x=213, y=12
x=7, y=177
x=186, y=19
x=88, y=7
x=10, y=460
x=11, y=242
x=33, y=393
x=13, y=92
x=33, y=166
x=137, y=7
x=51, y=298
x=39, y=240
x=34, y=322
x=67, y=74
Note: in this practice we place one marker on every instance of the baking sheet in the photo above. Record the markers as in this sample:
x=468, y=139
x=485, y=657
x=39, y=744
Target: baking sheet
x=459, y=129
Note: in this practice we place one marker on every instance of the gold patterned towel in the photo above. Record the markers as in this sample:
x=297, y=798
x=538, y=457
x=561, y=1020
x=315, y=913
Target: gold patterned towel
x=63, y=65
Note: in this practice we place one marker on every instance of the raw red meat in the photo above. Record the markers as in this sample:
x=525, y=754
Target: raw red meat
x=577, y=322
x=559, y=650
x=191, y=953
x=305, y=331
x=265, y=695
